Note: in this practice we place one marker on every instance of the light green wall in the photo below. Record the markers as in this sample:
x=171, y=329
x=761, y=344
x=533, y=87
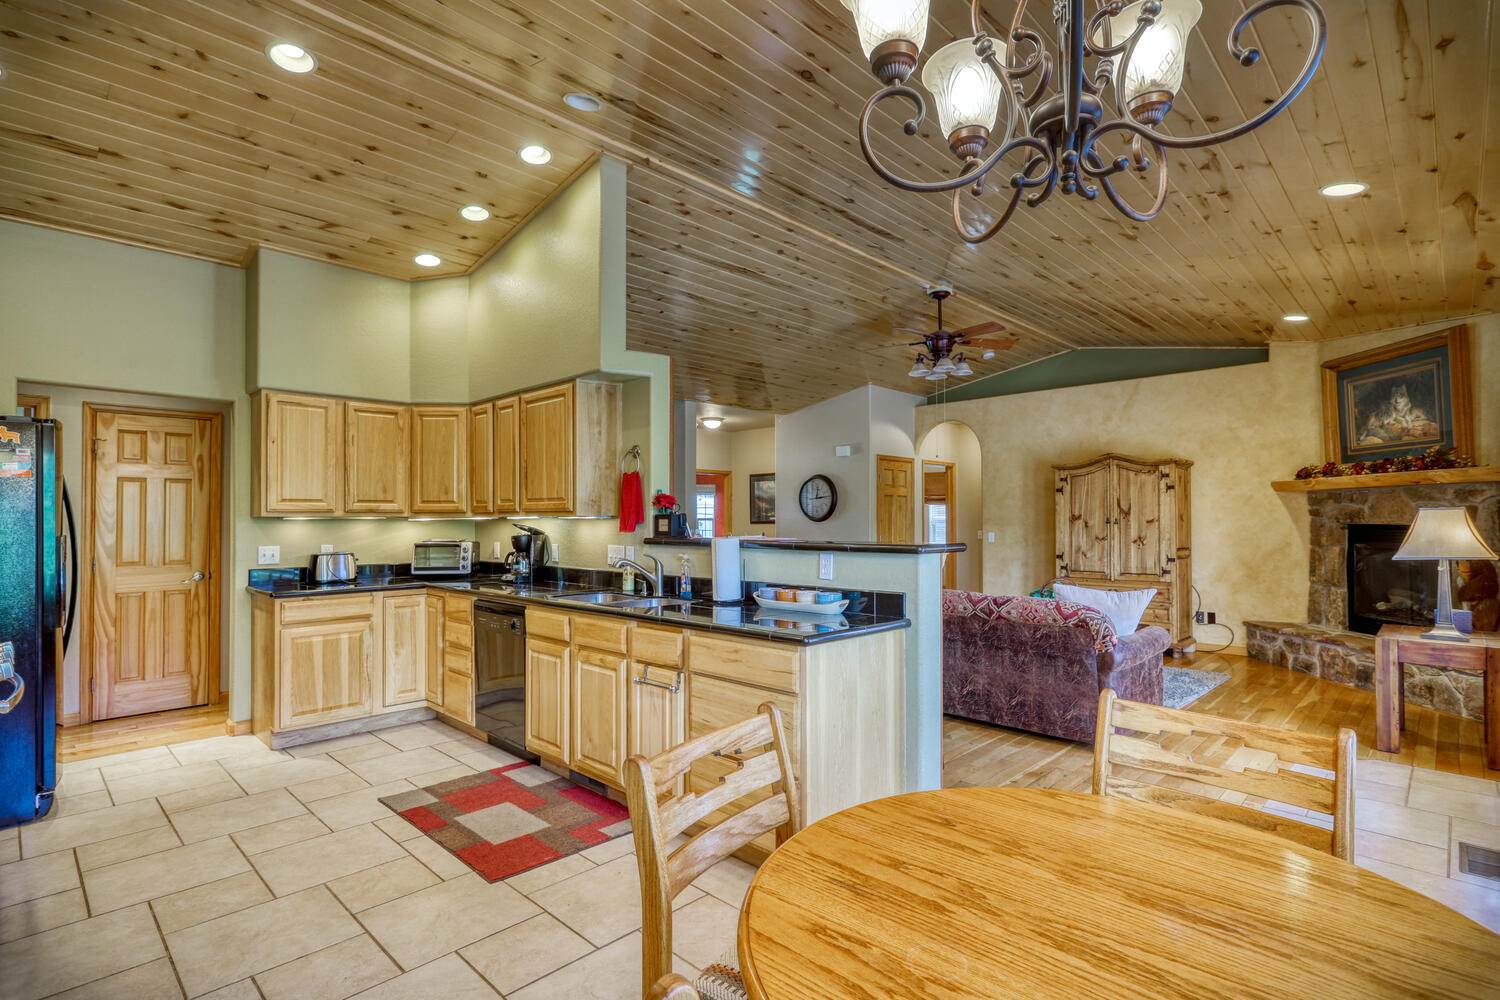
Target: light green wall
x=329, y=329
x=439, y=340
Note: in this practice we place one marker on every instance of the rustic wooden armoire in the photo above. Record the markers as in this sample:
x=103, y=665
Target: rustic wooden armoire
x=1124, y=524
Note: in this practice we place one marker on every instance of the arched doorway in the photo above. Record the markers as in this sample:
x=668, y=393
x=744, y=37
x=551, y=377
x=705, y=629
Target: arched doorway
x=952, y=507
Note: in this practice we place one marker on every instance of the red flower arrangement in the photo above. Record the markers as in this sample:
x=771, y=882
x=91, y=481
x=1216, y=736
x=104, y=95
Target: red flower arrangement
x=665, y=502
x=1433, y=458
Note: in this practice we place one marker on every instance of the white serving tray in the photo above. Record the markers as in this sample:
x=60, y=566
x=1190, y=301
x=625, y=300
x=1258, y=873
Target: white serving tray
x=833, y=608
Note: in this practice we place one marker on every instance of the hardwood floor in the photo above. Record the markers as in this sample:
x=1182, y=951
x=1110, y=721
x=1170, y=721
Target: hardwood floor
x=138, y=732
x=978, y=754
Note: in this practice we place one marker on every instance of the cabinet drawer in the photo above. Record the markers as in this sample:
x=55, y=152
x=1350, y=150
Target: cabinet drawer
x=458, y=609
x=547, y=625
x=656, y=645
x=600, y=633
x=458, y=634
x=762, y=663
x=716, y=704
x=457, y=660
x=300, y=611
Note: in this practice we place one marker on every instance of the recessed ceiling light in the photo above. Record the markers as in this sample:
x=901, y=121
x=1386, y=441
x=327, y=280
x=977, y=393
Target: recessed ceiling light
x=536, y=155
x=292, y=58
x=2, y=72
x=474, y=213
x=582, y=102
x=427, y=260
x=713, y=423
x=1295, y=318
x=1343, y=189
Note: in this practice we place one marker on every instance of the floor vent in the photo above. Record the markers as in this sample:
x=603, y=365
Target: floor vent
x=1481, y=861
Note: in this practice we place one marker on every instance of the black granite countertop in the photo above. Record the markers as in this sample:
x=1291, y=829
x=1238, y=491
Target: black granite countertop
x=808, y=545
x=746, y=619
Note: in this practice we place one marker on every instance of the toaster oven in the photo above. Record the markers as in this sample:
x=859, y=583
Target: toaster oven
x=443, y=555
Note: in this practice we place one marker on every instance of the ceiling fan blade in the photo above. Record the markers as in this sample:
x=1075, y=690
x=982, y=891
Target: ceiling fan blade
x=1000, y=344
x=979, y=329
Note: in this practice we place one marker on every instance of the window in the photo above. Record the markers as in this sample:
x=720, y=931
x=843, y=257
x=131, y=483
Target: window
x=705, y=505
x=937, y=522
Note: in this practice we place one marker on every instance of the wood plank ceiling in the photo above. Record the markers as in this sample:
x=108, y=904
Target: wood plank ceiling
x=764, y=254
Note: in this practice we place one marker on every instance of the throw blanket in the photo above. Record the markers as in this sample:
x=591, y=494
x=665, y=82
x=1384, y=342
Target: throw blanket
x=1032, y=611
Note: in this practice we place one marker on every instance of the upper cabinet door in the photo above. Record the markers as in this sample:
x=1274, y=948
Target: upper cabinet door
x=297, y=465
x=1083, y=522
x=376, y=445
x=507, y=468
x=1139, y=543
x=547, y=450
x=439, y=459
x=482, y=459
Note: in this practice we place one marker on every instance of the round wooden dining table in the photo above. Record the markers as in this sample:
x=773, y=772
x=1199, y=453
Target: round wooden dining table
x=1018, y=892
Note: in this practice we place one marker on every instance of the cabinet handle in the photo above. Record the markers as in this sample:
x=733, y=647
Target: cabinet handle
x=672, y=688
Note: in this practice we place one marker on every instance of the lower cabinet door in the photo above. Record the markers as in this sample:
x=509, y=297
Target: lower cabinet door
x=658, y=711
x=433, y=658
x=598, y=714
x=327, y=672
x=458, y=683
x=403, y=640
x=547, y=669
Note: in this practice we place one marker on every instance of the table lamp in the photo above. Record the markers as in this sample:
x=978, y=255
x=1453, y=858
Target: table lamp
x=1444, y=533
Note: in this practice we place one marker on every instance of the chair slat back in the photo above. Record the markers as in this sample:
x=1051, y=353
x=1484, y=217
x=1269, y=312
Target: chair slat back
x=758, y=751
x=1190, y=753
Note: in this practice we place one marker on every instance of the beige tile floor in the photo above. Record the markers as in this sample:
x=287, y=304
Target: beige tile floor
x=222, y=869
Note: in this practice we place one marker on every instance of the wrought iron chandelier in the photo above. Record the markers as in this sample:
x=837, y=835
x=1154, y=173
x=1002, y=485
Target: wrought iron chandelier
x=1140, y=51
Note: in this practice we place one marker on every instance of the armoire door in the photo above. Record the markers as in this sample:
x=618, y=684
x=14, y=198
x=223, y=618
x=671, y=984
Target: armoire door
x=1083, y=528
x=1138, y=537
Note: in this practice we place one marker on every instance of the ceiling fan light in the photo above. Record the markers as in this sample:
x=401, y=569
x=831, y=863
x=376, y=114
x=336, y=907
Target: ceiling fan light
x=891, y=32
x=962, y=369
x=967, y=92
x=919, y=368
x=937, y=376
x=1154, y=76
x=944, y=366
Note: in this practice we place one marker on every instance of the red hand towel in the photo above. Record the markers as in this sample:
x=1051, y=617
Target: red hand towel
x=632, y=502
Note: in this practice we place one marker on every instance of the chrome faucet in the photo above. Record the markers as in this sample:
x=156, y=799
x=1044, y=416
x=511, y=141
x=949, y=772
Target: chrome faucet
x=653, y=575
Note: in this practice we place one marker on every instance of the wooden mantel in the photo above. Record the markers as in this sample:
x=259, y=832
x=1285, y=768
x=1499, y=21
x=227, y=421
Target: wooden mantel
x=1386, y=480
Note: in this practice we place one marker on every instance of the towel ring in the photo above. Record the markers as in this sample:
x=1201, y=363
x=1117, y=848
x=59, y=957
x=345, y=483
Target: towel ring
x=635, y=453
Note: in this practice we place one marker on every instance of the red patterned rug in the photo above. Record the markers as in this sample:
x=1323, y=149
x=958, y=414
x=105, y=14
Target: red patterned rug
x=511, y=819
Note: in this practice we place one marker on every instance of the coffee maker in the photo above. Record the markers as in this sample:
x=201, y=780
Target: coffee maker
x=530, y=552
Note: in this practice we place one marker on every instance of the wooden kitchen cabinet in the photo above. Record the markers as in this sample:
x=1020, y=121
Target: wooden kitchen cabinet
x=657, y=696
x=547, y=681
x=598, y=713
x=297, y=454
x=506, y=469
x=570, y=449
x=326, y=655
x=458, y=658
x=403, y=628
x=482, y=459
x=439, y=459
x=432, y=662
x=377, y=443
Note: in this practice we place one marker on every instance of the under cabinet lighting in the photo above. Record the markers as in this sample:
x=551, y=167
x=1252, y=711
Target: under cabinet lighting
x=536, y=155
x=582, y=102
x=1343, y=189
x=1295, y=318
x=292, y=58
x=474, y=213
x=427, y=260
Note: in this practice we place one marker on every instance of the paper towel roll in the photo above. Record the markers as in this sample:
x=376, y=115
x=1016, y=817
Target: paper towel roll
x=726, y=569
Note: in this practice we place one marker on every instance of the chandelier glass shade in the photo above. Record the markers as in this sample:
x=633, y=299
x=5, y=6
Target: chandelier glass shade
x=1073, y=117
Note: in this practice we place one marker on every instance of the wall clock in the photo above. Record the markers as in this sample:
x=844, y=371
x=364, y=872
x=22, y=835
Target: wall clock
x=818, y=498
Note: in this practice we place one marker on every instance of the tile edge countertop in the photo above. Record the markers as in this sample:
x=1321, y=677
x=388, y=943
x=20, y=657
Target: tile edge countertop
x=805, y=545
x=704, y=617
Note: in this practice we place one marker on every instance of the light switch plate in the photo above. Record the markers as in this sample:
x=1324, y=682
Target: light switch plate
x=268, y=555
x=496, y=552
x=326, y=547
x=825, y=565
x=630, y=552
x=989, y=536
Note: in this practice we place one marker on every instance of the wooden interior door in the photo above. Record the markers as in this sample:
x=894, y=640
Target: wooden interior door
x=1083, y=522
x=1138, y=548
x=547, y=450
x=895, y=499
x=154, y=526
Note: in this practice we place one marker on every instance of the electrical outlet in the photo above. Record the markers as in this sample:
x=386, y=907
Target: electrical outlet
x=630, y=552
x=496, y=552
x=1201, y=618
x=326, y=547
x=616, y=553
x=989, y=536
x=825, y=565
x=268, y=555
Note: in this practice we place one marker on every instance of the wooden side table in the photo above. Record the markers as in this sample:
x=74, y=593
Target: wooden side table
x=1398, y=644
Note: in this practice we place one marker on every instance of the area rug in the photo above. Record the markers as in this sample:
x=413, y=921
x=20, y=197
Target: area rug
x=511, y=819
x=1181, y=686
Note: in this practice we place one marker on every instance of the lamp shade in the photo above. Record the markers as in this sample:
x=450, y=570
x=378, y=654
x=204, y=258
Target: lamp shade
x=967, y=91
x=1443, y=533
x=1161, y=54
x=879, y=21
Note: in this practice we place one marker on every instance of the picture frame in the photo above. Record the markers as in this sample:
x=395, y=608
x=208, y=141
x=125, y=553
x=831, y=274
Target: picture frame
x=1401, y=399
x=763, y=498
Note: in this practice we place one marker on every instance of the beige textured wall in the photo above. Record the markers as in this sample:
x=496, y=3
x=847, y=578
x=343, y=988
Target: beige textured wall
x=753, y=452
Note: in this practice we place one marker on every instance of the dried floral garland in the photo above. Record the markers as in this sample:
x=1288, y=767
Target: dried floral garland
x=1433, y=458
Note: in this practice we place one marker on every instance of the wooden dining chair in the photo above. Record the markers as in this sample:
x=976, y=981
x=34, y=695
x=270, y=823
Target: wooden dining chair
x=672, y=987
x=758, y=750
x=1120, y=756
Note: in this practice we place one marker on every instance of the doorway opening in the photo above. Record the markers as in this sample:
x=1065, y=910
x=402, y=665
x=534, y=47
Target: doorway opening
x=952, y=502
x=712, y=503
x=939, y=514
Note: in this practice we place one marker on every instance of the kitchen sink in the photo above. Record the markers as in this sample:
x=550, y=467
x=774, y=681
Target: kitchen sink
x=618, y=600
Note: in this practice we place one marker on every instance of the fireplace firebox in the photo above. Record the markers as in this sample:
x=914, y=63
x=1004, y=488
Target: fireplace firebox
x=1381, y=590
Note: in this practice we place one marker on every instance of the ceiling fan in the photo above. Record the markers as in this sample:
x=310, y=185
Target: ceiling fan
x=937, y=360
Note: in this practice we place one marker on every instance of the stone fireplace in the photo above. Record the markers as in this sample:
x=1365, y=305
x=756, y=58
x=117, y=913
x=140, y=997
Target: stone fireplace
x=1354, y=588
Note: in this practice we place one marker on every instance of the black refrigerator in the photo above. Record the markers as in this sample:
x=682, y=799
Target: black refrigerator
x=32, y=586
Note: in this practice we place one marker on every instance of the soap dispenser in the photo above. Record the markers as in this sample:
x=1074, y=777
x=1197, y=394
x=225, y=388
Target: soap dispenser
x=685, y=580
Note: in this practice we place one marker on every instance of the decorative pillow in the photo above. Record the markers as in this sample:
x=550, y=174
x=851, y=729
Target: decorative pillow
x=1032, y=611
x=1122, y=607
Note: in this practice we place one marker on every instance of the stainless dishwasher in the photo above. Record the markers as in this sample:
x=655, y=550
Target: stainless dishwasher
x=500, y=674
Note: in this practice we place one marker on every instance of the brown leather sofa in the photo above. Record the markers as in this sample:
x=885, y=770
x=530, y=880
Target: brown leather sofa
x=1026, y=666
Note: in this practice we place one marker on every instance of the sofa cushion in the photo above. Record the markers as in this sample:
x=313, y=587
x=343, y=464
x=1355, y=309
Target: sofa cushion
x=1032, y=611
x=1123, y=608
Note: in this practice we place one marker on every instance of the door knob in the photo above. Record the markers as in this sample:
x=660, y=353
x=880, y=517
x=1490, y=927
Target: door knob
x=8, y=673
x=195, y=578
